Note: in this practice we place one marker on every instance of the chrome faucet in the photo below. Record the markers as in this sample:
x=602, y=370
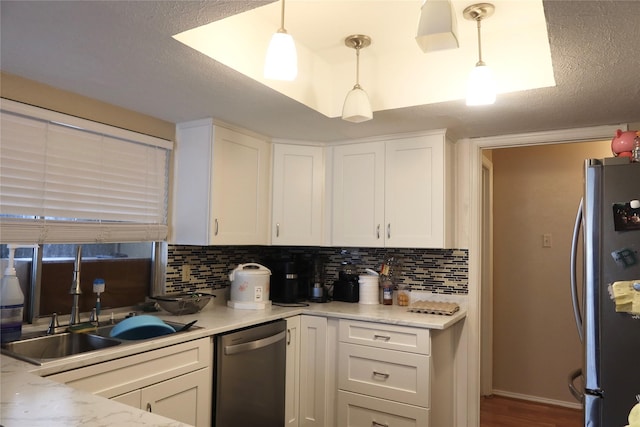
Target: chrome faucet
x=75, y=289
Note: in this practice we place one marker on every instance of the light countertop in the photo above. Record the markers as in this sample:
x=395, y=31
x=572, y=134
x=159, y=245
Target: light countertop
x=28, y=399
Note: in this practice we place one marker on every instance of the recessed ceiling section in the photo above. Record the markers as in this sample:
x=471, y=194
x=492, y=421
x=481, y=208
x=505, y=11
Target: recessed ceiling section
x=393, y=69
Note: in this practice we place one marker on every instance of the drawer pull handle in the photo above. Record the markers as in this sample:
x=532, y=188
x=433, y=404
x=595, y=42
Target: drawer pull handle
x=377, y=424
x=381, y=337
x=380, y=374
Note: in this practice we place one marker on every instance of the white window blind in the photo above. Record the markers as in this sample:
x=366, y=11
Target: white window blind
x=69, y=180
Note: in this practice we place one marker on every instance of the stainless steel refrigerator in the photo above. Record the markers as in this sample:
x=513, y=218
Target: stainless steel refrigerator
x=608, y=221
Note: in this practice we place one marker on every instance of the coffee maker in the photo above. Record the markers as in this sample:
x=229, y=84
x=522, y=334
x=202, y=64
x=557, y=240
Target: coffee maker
x=285, y=287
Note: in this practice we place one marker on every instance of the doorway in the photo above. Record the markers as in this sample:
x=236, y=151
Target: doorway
x=532, y=346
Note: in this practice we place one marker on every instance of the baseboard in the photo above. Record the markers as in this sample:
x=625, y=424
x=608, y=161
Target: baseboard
x=537, y=399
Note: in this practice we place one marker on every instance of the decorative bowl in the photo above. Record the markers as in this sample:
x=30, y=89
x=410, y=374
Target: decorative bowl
x=188, y=303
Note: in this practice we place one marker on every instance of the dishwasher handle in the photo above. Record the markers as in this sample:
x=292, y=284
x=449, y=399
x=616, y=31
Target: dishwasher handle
x=254, y=345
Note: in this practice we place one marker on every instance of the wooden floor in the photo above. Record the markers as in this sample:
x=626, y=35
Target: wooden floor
x=497, y=411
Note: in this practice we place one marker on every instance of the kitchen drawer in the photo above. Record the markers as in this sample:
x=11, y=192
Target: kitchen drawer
x=387, y=374
x=356, y=410
x=380, y=335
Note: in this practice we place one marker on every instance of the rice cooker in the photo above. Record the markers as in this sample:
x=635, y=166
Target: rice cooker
x=249, y=286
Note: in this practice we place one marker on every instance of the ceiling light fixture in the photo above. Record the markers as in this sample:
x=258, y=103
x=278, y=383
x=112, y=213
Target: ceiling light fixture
x=282, y=59
x=438, y=26
x=357, y=107
x=481, y=87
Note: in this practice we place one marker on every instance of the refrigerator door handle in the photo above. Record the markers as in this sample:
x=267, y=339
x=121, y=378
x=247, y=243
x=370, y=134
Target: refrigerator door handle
x=574, y=284
x=572, y=387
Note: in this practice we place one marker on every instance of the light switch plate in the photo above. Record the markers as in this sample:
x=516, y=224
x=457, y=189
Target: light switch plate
x=546, y=240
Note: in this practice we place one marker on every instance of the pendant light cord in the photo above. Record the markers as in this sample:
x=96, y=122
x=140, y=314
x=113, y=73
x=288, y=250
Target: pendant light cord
x=480, y=61
x=281, y=29
x=357, y=85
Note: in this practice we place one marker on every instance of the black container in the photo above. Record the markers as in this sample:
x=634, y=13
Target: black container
x=346, y=288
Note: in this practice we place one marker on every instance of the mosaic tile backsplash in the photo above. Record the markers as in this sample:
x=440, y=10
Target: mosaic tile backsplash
x=435, y=270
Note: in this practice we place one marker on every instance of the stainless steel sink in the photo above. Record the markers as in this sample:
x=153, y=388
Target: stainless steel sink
x=44, y=348
x=40, y=349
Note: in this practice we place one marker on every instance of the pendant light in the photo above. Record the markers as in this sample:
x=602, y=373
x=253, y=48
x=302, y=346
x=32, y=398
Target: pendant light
x=481, y=87
x=282, y=59
x=438, y=26
x=357, y=107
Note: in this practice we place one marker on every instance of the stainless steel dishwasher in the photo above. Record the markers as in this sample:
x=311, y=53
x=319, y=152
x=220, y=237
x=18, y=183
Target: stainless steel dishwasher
x=250, y=370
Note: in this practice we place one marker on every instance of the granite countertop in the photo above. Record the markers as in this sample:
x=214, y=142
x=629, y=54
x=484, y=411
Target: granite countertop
x=28, y=399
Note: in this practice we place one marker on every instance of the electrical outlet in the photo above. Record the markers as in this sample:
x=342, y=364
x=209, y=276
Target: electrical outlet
x=186, y=273
x=546, y=240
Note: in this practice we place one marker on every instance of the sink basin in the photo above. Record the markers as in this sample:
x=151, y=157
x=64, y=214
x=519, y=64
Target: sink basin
x=105, y=331
x=40, y=349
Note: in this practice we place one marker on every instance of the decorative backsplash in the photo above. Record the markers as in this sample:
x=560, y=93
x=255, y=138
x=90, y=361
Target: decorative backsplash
x=436, y=270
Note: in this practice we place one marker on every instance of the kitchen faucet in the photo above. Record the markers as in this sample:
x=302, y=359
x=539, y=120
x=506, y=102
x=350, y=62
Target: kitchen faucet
x=75, y=289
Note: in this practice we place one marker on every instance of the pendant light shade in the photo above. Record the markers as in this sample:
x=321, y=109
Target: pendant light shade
x=357, y=108
x=281, y=62
x=481, y=86
x=438, y=26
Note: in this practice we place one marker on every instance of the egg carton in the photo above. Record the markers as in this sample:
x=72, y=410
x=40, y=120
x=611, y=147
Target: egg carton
x=434, y=307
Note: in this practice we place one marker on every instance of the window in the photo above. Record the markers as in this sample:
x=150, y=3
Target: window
x=66, y=181
x=127, y=269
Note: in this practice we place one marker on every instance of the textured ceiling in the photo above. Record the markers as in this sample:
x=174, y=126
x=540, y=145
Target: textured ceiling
x=122, y=53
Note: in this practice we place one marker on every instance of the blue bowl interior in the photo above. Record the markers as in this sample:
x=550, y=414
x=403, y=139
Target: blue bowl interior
x=140, y=328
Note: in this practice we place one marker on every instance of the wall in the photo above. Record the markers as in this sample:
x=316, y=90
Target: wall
x=435, y=270
x=536, y=191
x=38, y=94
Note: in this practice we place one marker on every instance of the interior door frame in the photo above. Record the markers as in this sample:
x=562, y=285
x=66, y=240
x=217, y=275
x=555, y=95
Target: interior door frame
x=469, y=235
x=486, y=308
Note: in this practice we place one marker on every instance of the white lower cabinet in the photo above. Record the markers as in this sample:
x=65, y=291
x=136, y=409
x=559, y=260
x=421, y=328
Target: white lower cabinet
x=292, y=378
x=387, y=376
x=311, y=388
x=174, y=381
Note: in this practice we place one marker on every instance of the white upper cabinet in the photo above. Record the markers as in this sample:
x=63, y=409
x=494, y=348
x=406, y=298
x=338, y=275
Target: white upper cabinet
x=298, y=191
x=358, y=195
x=221, y=186
x=394, y=193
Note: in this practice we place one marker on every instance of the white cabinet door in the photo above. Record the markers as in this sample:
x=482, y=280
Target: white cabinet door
x=220, y=186
x=358, y=195
x=415, y=192
x=298, y=188
x=394, y=193
x=313, y=371
x=292, y=379
x=240, y=213
x=185, y=398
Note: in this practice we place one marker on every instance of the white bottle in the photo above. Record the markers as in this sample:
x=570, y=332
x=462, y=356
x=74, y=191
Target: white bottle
x=11, y=303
